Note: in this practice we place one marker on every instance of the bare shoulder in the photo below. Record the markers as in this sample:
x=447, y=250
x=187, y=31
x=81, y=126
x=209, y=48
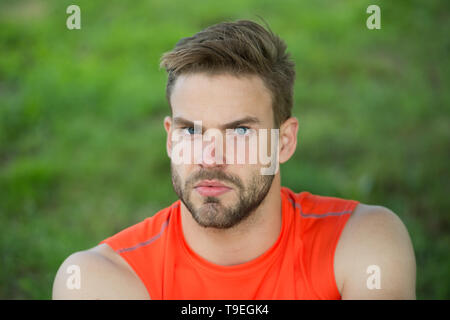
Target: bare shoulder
x=374, y=258
x=97, y=273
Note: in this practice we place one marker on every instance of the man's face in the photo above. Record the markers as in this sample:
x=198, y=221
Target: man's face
x=220, y=195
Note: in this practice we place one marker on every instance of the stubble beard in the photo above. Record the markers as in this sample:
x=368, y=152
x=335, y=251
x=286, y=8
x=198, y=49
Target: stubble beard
x=212, y=213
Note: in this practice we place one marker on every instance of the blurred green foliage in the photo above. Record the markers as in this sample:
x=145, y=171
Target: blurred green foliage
x=82, y=147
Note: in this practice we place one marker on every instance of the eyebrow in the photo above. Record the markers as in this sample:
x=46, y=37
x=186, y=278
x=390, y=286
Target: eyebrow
x=180, y=121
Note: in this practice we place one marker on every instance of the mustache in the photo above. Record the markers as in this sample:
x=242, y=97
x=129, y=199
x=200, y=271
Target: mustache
x=214, y=175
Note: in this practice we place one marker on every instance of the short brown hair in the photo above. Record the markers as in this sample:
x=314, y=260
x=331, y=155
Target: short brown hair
x=239, y=48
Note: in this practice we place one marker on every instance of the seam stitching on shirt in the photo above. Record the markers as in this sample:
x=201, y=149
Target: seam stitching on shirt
x=147, y=242
x=318, y=215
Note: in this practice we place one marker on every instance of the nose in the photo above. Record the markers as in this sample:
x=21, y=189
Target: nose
x=211, y=153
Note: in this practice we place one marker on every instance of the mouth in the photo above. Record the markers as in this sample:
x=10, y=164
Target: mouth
x=211, y=188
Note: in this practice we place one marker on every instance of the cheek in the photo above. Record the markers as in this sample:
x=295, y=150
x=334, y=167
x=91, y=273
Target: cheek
x=242, y=150
x=179, y=172
x=243, y=173
x=182, y=151
x=256, y=149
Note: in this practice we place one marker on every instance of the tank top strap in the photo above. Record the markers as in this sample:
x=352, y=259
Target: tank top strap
x=320, y=221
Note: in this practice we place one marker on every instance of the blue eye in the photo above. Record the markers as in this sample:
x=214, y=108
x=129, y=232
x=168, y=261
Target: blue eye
x=189, y=130
x=241, y=130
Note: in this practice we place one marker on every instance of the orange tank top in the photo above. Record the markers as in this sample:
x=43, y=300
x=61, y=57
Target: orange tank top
x=299, y=265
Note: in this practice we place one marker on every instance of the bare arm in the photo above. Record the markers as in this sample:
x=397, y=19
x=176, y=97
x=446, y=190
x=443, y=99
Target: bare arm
x=97, y=273
x=375, y=257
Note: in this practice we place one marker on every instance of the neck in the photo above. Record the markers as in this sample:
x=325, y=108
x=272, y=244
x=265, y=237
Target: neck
x=243, y=242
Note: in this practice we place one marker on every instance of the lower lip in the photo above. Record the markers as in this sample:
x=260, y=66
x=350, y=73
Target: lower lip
x=212, y=191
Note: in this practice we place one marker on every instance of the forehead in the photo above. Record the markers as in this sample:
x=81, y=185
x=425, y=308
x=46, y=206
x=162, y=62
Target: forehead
x=222, y=98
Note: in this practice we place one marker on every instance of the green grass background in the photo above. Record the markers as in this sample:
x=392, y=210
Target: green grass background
x=82, y=151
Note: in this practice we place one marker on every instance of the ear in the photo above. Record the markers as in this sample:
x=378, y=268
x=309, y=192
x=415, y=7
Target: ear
x=168, y=126
x=288, y=139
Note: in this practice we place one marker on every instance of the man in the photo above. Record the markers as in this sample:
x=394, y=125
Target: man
x=235, y=232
